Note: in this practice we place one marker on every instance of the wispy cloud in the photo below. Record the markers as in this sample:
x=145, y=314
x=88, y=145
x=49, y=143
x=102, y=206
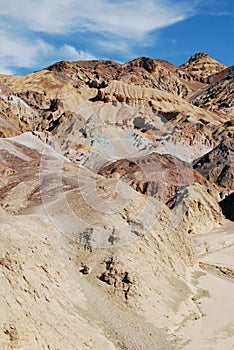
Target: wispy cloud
x=17, y=51
x=68, y=52
x=218, y=8
x=124, y=22
x=114, y=45
x=131, y=19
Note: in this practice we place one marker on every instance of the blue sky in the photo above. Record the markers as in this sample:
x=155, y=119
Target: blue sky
x=35, y=34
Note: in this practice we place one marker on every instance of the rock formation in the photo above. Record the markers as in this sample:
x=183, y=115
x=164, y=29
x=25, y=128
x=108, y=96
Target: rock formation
x=110, y=175
x=201, y=66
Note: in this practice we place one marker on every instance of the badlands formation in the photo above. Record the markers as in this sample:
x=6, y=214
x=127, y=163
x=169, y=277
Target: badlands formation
x=117, y=206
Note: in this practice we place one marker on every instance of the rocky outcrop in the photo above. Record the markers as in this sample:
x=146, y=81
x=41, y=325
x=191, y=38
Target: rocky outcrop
x=218, y=96
x=87, y=72
x=21, y=171
x=16, y=116
x=151, y=73
x=217, y=165
x=199, y=204
x=160, y=176
x=47, y=96
x=201, y=66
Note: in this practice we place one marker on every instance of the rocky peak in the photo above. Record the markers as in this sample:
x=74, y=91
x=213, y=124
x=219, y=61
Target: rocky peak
x=199, y=56
x=60, y=66
x=144, y=62
x=201, y=66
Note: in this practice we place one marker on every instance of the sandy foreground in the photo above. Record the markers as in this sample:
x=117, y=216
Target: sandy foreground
x=215, y=330
x=72, y=303
x=53, y=307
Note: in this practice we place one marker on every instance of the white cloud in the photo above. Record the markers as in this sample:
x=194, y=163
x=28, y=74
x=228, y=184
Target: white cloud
x=133, y=19
x=130, y=19
x=5, y=70
x=68, y=52
x=115, y=45
x=116, y=26
x=16, y=51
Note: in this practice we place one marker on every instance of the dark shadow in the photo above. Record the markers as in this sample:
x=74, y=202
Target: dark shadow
x=227, y=205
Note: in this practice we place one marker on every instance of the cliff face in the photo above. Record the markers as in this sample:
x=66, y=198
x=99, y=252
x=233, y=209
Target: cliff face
x=108, y=171
x=218, y=95
x=217, y=165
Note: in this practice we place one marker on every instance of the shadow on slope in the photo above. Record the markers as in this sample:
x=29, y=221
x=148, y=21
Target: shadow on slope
x=227, y=205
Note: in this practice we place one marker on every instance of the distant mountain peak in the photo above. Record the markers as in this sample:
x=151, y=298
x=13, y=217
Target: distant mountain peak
x=199, y=56
x=201, y=66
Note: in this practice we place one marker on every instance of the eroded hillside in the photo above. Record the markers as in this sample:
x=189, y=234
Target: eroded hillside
x=109, y=173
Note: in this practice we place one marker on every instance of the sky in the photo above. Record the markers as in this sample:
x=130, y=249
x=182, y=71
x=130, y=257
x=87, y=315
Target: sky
x=37, y=33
